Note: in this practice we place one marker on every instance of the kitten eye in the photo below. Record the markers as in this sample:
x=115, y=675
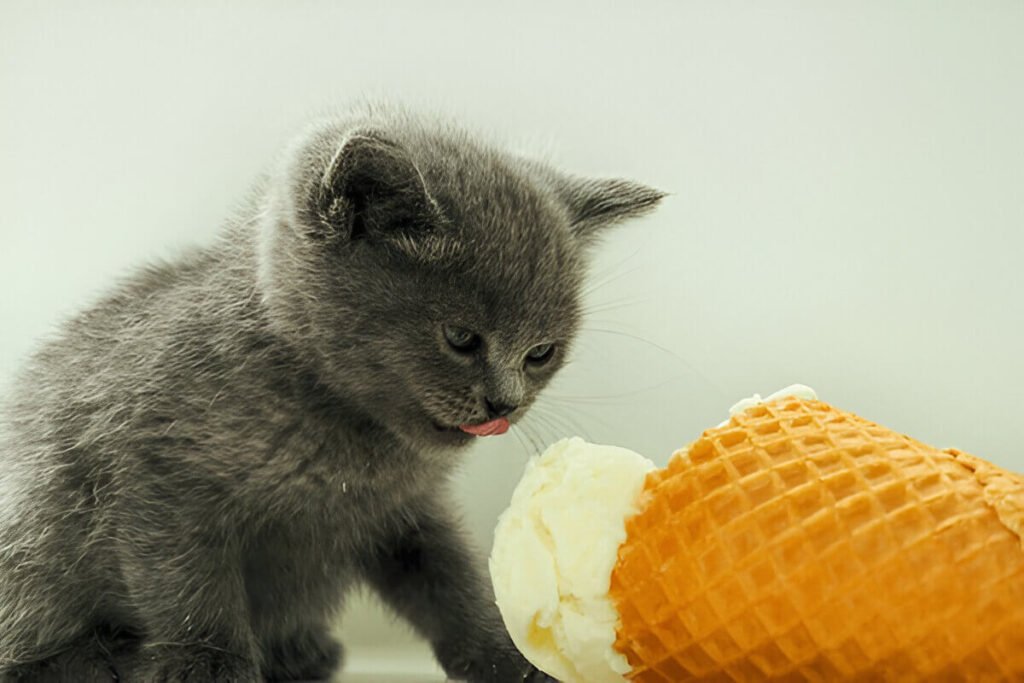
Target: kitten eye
x=540, y=354
x=461, y=339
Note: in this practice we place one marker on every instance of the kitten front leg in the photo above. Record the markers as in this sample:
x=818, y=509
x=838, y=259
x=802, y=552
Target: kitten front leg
x=189, y=595
x=428, y=576
x=310, y=654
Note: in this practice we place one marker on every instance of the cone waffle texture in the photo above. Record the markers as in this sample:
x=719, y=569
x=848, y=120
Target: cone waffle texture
x=802, y=542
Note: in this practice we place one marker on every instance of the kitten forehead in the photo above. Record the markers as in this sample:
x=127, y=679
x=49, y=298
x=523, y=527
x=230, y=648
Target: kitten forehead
x=484, y=190
x=495, y=210
x=504, y=235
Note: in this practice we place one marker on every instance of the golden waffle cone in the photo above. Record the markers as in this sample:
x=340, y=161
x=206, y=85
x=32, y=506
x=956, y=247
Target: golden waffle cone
x=802, y=542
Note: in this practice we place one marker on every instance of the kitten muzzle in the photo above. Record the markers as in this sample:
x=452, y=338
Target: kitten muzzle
x=499, y=426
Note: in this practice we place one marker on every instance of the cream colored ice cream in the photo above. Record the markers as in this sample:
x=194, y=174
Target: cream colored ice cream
x=554, y=549
x=797, y=390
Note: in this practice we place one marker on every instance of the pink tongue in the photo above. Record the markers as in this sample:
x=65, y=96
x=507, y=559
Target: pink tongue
x=499, y=426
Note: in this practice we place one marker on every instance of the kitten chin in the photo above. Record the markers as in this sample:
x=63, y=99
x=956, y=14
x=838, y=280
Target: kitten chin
x=207, y=460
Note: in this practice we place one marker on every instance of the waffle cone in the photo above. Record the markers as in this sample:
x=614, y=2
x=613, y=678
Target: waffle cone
x=804, y=542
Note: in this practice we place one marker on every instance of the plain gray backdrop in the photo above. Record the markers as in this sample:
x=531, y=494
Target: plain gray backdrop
x=846, y=180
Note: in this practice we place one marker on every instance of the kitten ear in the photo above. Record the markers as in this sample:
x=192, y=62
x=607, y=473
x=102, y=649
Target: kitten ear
x=371, y=187
x=595, y=204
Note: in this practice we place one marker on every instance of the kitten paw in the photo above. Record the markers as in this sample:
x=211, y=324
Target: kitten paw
x=535, y=675
x=73, y=668
x=498, y=665
x=187, y=664
x=95, y=658
x=310, y=655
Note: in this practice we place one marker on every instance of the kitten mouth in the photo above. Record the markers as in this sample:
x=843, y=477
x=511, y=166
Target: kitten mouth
x=491, y=428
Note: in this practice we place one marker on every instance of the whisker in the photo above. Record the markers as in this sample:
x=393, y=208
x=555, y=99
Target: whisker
x=583, y=418
x=615, y=304
x=566, y=426
x=569, y=419
x=552, y=430
x=588, y=344
x=542, y=420
x=576, y=411
x=608, y=398
x=591, y=290
x=539, y=440
x=602, y=279
x=524, y=429
x=620, y=333
x=522, y=444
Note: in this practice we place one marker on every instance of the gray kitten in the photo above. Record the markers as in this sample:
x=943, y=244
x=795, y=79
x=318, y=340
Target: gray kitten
x=199, y=467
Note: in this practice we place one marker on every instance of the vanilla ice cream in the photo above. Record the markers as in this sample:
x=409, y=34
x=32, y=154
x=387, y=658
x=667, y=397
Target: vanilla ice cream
x=554, y=550
x=795, y=390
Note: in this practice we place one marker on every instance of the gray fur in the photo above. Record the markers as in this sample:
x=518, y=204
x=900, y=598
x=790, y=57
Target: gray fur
x=197, y=469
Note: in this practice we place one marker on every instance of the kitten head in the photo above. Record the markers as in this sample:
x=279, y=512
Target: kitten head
x=434, y=281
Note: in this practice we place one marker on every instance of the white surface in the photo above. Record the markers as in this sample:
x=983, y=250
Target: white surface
x=846, y=180
x=554, y=551
x=390, y=665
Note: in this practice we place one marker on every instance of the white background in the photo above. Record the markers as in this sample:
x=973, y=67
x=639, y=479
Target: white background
x=846, y=182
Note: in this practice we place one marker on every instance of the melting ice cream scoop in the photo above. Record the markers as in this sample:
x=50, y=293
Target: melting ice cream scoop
x=554, y=550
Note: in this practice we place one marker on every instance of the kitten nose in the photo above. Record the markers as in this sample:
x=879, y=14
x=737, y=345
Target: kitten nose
x=498, y=409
